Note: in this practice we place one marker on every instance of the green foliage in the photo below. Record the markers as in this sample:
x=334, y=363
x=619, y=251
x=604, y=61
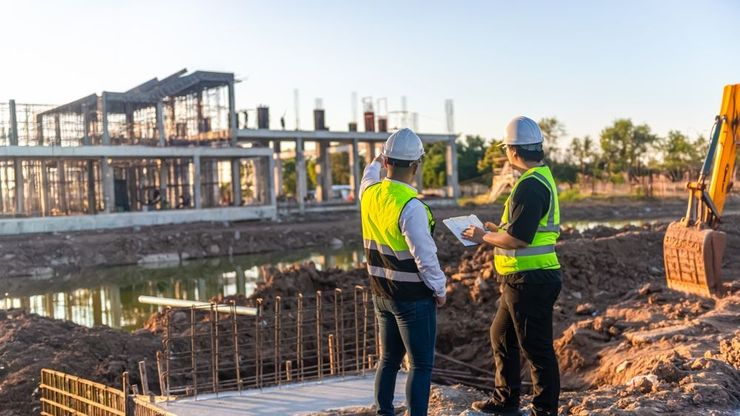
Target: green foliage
x=433, y=167
x=564, y=172
x=339, y=168
x=311, y=170
x=468, y=154
x=493, y=158
x=624, y=145
x=571, y=195
x=680, y=154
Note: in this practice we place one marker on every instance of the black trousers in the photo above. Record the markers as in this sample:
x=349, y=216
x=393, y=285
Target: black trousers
x=524, y=321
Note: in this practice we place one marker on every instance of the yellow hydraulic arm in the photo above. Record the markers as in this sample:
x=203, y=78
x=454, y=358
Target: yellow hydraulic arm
x=692, y=247
x=724, y=163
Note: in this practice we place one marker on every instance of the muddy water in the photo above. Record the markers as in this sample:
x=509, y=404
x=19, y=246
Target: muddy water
x=110, y=296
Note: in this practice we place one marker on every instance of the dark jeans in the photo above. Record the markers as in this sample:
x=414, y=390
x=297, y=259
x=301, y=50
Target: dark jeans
x=524, y=319
x=405, y=327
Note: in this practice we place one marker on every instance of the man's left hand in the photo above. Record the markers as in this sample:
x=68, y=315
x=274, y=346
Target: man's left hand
x=474, y=234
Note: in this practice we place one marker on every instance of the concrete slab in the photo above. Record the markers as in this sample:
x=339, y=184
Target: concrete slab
x=293, y=399
x=13, y=226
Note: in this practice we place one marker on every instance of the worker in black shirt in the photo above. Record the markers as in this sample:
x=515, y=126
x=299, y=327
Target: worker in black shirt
x=529, y=273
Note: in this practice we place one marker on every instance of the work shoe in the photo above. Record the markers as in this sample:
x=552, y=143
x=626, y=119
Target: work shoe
x=490, y=406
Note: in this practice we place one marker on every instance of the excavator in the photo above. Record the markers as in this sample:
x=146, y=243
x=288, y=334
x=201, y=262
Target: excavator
x=693, y=247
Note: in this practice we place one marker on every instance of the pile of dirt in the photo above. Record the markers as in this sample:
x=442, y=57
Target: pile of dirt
x=29, y=343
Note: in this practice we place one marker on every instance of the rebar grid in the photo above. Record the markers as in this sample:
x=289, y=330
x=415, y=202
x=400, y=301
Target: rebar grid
x=289, y=340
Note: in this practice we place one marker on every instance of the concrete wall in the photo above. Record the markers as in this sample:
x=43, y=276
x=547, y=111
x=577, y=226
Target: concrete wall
x=13, y=226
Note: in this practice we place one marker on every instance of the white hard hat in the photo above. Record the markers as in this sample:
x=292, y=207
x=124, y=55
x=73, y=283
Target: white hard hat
x=403, y=145
x=522, y=131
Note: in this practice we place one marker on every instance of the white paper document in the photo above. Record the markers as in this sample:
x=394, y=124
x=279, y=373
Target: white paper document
x=458, y=224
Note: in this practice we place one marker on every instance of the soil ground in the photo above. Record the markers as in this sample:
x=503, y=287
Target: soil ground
x=626, y=344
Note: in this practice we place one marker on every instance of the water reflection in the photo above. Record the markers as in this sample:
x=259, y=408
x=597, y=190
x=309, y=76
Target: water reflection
x=110, y=296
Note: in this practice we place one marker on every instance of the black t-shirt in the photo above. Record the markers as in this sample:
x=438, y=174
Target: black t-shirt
x=529, y=203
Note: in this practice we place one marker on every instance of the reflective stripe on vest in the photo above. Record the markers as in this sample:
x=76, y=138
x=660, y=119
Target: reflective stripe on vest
x=386, y=252
x=541, y=253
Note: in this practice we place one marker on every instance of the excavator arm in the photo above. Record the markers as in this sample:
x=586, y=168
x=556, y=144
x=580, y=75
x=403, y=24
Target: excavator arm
x=693, y=247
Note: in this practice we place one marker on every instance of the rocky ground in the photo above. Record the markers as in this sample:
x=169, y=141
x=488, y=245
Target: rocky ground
x=626, y=344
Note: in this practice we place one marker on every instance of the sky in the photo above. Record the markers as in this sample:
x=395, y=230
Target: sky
x=587, y=63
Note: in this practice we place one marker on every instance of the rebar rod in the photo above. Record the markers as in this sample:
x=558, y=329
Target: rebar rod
x=299, y=345
x=193, y=360
x=235, y=341
x=277, y=339
x=318, y=332
x=364, y=330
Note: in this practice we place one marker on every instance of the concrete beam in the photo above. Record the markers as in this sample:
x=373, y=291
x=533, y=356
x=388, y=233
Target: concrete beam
x=331, y=136
x=13, y=226
x=127, y=152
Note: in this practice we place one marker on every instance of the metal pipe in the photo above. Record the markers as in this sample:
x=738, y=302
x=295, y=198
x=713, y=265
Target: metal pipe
x=179, y=303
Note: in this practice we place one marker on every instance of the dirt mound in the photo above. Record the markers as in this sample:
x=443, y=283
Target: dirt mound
x=29, y=343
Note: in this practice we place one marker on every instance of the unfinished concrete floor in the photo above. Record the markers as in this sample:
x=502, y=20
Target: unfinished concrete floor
x=295, y=399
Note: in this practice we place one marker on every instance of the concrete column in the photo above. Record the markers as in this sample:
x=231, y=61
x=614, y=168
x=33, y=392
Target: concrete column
x=130, y=127
x=271, y=195
x=62, y=175
x=13, y=123
x=160, y=124
x=354, y=170
x=20, y=206
x=301, y=179
x=109, y=196
x=163, y=185
x=104, y=113
x=323, y=176
x=232, y=113
x=196, y=183
x=370, y=152
x=57, y=130
x=278, y=170
x=236, y=182
x=453, y=188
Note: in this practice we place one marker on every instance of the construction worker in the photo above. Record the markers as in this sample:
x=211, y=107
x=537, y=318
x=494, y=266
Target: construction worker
x=407, y=283
x=529, y=273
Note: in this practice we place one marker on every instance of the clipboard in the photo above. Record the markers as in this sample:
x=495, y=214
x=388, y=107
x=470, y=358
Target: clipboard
x=458, y=224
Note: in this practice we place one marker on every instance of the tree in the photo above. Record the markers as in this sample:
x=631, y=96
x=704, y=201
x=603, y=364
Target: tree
x=339, y=168
x=552, y=129
x=468, y=154
x=433, y=170
x=583, y=154
x=624, y=146
x=681, y=155
x=493, y=158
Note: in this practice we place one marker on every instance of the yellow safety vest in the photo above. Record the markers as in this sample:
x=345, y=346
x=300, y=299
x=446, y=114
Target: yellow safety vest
x=386, y=252
x=540, y=255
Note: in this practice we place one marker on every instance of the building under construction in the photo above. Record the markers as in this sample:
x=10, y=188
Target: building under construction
x=165, y=151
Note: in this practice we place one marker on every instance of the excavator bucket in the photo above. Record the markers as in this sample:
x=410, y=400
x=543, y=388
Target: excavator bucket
x=693, y=259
